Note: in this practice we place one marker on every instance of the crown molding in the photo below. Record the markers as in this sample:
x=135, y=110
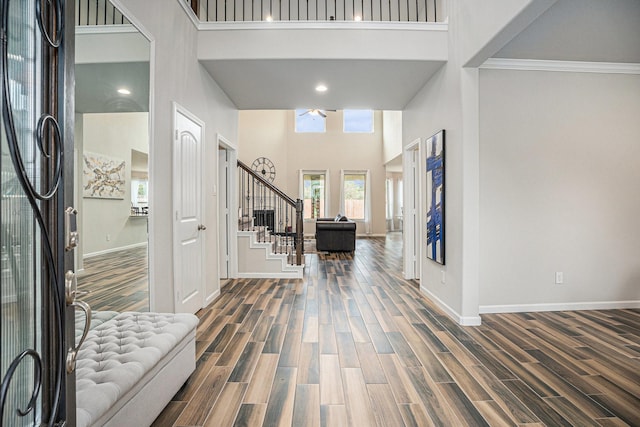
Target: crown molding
x=561, y=66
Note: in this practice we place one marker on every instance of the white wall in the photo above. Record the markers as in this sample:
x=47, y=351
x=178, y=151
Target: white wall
x=559, y=188
x=450, y=101
x=271, y=134
x=391, y=135
x=106, y=223
x=177, y=76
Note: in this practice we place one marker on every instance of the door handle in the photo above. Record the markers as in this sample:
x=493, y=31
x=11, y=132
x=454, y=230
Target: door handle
x=201, y=227
x=72, y=355
x=71, y=292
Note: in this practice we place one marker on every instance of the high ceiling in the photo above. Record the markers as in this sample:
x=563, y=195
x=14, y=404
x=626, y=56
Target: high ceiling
x=581, y=30
x=290, y=83
x=574, y=30
x=97, y=87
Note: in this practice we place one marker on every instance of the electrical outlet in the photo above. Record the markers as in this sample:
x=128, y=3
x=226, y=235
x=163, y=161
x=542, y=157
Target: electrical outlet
x=442, y=276
x=559, y=278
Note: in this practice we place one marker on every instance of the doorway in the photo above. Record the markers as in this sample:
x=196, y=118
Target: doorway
x=412, y=201
x=189, y=229
x=227, y=210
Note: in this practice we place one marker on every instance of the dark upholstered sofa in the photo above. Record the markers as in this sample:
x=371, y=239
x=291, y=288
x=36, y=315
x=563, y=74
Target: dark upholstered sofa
x=335, y=234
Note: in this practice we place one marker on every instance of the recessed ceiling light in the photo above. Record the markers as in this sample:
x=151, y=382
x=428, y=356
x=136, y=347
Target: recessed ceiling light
x=124, y=91
x=357, y=18
x=321, y=88
x=269, y=18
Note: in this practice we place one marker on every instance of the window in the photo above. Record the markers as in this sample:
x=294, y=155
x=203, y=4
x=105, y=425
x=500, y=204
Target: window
x=314, y=194
x=358, y=121
x=354, y=191
x=309, y=121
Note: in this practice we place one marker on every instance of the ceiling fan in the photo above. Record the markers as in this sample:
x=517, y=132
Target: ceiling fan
x=316, y=112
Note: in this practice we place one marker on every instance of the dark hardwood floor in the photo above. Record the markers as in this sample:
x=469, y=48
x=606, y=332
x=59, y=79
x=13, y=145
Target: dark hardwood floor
x=116, y=281
x=354, y=344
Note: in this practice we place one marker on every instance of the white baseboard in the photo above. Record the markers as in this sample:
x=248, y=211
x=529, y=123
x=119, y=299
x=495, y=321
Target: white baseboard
x=462, y=320
x=211, y=298
x=278, y=275
x=118, y=249
x=566, y=306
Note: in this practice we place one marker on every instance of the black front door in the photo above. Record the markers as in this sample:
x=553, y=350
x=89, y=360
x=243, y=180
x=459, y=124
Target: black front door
x=37, y=318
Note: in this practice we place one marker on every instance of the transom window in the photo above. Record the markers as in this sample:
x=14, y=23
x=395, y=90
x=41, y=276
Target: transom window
x=358, y=121
x=309, y=121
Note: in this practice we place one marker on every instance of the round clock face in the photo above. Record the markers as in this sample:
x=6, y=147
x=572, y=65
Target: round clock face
x=265, y=168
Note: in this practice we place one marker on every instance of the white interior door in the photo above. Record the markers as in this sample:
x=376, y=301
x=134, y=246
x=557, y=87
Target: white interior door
x=188, y=228
x=417, y=229
x=223, y=214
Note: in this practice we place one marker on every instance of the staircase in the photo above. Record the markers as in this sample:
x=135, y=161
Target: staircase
x=270, y=243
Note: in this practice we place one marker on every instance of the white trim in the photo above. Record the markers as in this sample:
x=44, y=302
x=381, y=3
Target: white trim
x=152, y=78
x=190, y=13
x=232, y=243
x=411, y=187
x=107, y=29
x=118, y=249
x=561, y=66
x=282, y=275
x=462, y=320
x=566, y=306
x=321, y=25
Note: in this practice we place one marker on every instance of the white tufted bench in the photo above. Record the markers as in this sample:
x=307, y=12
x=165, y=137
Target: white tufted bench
x=131, y=365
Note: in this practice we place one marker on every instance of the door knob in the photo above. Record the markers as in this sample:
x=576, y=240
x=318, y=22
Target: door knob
x=201, y=227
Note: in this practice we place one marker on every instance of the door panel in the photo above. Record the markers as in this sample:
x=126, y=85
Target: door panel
x=223, y=213
x=34, y=89
x=189, y=229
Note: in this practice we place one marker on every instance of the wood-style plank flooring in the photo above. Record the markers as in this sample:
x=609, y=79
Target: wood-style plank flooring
x=116, y=281
x=353, y=344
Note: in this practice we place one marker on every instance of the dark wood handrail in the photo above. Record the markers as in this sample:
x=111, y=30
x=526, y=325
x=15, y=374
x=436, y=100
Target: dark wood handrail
x=277, y=212
x=267, y=184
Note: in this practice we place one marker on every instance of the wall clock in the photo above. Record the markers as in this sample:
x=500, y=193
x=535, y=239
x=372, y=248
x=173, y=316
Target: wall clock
x=265, y=168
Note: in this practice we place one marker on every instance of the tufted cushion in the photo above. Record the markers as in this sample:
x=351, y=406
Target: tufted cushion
x=118, y=352
x=97, y=319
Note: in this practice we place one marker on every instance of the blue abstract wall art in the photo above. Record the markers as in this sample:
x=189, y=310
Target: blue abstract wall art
x=435, y=197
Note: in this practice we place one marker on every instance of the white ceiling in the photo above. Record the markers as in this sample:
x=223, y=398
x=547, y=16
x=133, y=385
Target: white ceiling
x=575, y=30
x=581, y=30
x=97, y=87
x=290, y=83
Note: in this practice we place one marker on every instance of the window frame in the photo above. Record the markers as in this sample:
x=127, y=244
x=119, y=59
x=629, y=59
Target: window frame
x=324, y=172
x=367, y=183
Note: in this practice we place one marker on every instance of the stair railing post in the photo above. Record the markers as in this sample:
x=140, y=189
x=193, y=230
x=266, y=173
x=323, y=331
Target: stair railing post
x=299, y=231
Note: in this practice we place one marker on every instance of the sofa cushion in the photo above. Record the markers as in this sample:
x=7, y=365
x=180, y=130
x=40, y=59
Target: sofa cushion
x=118, y=353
